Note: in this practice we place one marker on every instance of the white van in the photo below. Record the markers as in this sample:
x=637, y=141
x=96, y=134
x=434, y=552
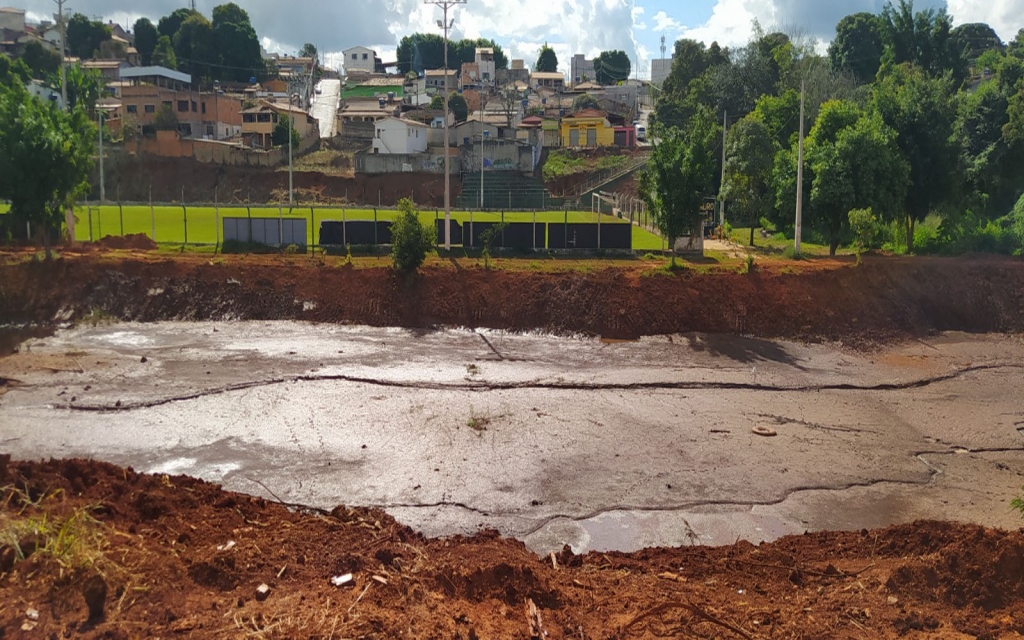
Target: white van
x=641, y=132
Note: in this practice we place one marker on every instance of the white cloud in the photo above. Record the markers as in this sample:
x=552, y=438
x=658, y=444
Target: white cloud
x=638, y=23
x=1005, y=16
x=664, y=22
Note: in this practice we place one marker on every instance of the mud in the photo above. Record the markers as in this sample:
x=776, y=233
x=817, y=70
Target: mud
x=175, y=556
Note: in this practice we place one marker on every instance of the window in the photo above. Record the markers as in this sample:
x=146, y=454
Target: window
x=209, y=130
x=204, y=107
x=262, y=117
x=133, y=108
x=248, y=117
x=193, y=106
x=182, y=105
x=364, y=56
x=355, y=56
x=150, y=108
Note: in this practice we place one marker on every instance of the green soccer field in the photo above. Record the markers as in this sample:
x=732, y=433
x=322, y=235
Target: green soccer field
x=169, y=224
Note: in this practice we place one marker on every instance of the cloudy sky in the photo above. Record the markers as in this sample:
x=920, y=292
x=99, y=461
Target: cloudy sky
x=521, y=26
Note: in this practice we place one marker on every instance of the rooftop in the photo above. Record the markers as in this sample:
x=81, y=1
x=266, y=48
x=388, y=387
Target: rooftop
x=547, y=75
x=439, y=72
x=155, y=72
x=589, y=113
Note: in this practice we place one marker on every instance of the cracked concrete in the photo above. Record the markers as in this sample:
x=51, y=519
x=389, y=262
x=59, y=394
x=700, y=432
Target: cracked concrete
x=553, y=440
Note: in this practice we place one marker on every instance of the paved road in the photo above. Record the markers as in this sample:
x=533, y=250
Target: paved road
x=325, y=106
x=554, y=440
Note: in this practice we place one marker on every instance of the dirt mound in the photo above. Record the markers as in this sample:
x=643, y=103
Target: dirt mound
x=883, y=299
x=137, y=241
x=145, y=556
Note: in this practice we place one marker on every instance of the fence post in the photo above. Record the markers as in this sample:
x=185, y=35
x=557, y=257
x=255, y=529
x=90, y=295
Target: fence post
x=89, y=211
x=378, y=200
x=599, y=228
x=534, y=229
x=503, y=229
x=344, y=228
x=99, y=222
x=470, y=231
x=312, y=230
x=152, y=214
x=565, y=238
x=280, y=226
x=375, y=224
x=248, y=212
x=436, y=219
x=120, y=214
x=509, y=198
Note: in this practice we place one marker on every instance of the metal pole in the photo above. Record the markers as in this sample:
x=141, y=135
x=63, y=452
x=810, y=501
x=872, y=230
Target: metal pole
x=152, y=214
x=290, y=127
x=184, y=213
x=103, y=188
x=63, y=58
x=798, y=229
x=481, y=170
x=216, y=217
x=721, y=187
x=447, y=176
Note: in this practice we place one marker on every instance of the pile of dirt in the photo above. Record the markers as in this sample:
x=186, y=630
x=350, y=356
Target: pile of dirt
x=883, y=299
x=135, y=241
x=148, y=556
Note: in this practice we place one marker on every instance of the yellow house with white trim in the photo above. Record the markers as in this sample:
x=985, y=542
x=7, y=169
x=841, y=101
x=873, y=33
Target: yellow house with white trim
x=587, y=128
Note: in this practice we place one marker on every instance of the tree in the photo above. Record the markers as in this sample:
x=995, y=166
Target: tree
x=750, y=156
x=84, y=87
x=145, y=39
x=279, y=137
x=308, y=50
x=44, y=159
x=780, y=115
x=511, y=98
x=40, y=60
x=13, y=73
x=858, y=47
x=437, y=102
x=864, y=226
x=420, y=52
x=236, y=48
x=163, y=53
x=975, y=38
x=112, y=50
x=411, y=240
x=689, y=61
x=584, y=101
x=169, y=25
x=193, y=46
x=612, y=67
x=854, y=162
x=84, y=36
x=165, y=119
x=547, y=61
x=679, y=175
x=923, y=38
x=920, y=110
x=457, y=104
x=993, y=163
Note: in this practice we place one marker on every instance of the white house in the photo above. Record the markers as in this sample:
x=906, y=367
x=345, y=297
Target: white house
x=485, y=63
x=52, y=35
x=394, y=135
x=360, y=60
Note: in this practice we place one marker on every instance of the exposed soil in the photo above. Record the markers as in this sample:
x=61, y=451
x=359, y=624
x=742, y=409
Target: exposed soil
x=136, y=179
x=138, y=241
x=882, y=299
x=149, y=556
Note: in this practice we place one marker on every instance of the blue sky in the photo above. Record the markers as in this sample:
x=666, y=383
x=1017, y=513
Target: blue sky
x=522, y=26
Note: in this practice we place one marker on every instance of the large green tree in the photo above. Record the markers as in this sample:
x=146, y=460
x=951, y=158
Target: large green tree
x=923, y=38
x=458, y=106
x=612, y=67
x=85, y=86
x=85, y=36
x=145, y=39
x=169, y=25
x=44, y=159
x=921, y=111
x=546, y=60
x=420, y=52
x=236, y=48
x=163, y=54
x=40, y=60
x=858, y=47
x=975, y=38
x=13, y=72
x=750, y=156
x=680, y=175
x=194, y=46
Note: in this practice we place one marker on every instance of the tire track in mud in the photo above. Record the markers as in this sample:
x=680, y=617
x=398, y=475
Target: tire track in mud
x=539, y=385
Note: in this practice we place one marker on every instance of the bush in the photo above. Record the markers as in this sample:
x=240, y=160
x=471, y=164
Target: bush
x=864, y=226
x=411, y=240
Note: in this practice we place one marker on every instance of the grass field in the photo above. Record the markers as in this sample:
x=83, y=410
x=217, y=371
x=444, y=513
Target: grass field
x=169, y=222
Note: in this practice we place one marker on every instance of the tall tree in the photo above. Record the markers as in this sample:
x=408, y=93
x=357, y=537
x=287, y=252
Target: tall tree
x=993, y=164
x=40, y=60
x=84, y=88
x=236, y=49
x=85, y=35
x=163, y=53
x=920, y=110
x=308, y=50
x=750, y=156
x=145, y=39
x=194, y=47
x=13, y=73
x=44, y=159
x=612, y=67
x=169, y=25
x=974, y=39
x=547, y=60
x=923, y=38
x=780, y=115
x=679, y=175
x=858, y=47
x=458, y=106
x=690, y=60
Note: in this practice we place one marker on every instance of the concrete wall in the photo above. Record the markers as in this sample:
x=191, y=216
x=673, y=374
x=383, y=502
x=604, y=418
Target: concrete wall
x=499, y=155
x=168, y=144
x=377, y=163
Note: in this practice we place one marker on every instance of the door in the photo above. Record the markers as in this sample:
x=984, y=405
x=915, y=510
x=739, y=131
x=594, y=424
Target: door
x=574, y=137
x=592, y=137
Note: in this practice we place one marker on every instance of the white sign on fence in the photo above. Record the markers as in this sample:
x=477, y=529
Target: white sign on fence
x=275, y=232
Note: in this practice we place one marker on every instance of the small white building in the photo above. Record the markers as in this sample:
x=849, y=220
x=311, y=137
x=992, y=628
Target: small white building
x=361, y=60
x=485, y=63
x=394, y=135
x=435, y=80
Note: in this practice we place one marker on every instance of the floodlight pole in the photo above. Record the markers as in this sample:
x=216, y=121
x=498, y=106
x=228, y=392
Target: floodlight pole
x=63, y=56
x=445, y=6
x=798, y=227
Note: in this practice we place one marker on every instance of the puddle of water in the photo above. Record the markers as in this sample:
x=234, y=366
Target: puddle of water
x=174, y=466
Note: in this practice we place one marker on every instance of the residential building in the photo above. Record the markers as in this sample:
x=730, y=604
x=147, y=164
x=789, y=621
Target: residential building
x=44, y=93
x=109, y=69
x=13, y=19
x=258, y=123
x=548, y=80
x=581, y=69
x=470, y=76
x=145, y=90
x=587, y=128
x=362, y=60
x=485, y=64
x=118, y=32
x=294, y=68
x=435, y=80
x=395, y=135
x=660, y=70
x=517, y=72
x=51, y=34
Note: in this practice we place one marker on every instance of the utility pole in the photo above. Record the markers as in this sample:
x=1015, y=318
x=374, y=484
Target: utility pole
x=721, y=186
x=291, y=127
x=446, y=25
x=799, y=179
x=103, y=188
x=482, y=132
x=63, y=56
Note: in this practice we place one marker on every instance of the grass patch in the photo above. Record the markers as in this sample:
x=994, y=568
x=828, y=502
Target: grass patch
x=74, y=540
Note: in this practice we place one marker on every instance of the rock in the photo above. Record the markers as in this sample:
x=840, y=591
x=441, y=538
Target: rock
x=32, y=614
x=262, y=592
x=143, y=359
x=95, y=593
x=892, y=600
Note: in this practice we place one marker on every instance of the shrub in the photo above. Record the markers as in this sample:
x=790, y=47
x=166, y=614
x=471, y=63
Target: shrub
x=411, y=240
x=864, y=226
x=291, y=249
x=1018, y=503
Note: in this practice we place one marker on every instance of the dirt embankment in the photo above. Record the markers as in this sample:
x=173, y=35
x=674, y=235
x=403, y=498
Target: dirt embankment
x=883, y=298
x=152, y=556
x=131, y=178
